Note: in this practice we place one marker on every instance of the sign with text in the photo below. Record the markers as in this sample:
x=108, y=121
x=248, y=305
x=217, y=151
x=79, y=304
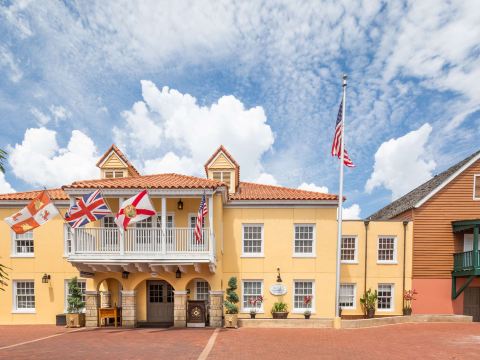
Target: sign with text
x=278, y=289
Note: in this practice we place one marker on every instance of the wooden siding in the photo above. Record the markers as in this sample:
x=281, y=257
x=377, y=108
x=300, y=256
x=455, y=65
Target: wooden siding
x=433, y=239
x=113, y=162
x=221, y=162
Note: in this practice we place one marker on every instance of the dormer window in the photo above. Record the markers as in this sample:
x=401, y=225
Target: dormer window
x=111, y=174
x=476, y=187
x=223, y=176
x=222, y=167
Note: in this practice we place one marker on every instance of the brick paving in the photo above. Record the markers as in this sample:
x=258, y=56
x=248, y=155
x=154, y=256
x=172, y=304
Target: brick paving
x=426, y=341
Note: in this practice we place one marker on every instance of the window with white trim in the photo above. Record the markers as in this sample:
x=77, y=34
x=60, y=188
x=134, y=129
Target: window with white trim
x=476, y=187
x=348, y=253
x=251, y=289
x=252, y=243
x=201, y=290
x=23, y=244
x=67, y=239
x=347, y=296
x=304, y=242
x=301, y=289
x=387, y=249
x=24, y=295
x=385, y=297
x=82, y=284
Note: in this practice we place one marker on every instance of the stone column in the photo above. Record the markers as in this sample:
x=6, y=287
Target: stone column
x=91, y=308
x=180, y=309
x=129, y=308
x=216, y=308
x=106, y=299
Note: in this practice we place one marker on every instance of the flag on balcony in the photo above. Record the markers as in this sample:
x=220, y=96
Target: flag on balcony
x=88, y=208
x=36, y=213
x=202, y=212
x=134, y=209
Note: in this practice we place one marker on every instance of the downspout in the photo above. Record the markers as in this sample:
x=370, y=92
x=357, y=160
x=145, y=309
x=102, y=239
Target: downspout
x=366, y=222
x=405, y=223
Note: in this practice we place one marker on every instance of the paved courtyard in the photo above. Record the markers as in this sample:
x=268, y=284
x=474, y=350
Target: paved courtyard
x=413, y=341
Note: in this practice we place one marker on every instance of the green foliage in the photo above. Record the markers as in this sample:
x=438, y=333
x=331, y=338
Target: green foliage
x=3, y=276
x=232, y=297
x=369, y=300
x=3, y=157
x=279, y=307
x=75, y=303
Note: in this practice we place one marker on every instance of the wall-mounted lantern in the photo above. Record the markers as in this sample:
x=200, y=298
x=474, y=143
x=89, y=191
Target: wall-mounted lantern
x=180, y=204
x=125, y=275
x=45, y=278
x=279, y=278
x=178, y=273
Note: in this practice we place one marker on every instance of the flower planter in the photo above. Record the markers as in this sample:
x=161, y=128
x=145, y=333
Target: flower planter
x=252, y=315
x=307, y=316
x=370, y=313
x=75, y=320
x=231, y=320
x=280, y=315
x=407, y=311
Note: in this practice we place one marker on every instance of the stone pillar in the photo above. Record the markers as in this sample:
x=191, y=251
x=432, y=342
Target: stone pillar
x=91, y=308
x=129, y=308
x=180, y=309
x=106, y=299
x=216, y=308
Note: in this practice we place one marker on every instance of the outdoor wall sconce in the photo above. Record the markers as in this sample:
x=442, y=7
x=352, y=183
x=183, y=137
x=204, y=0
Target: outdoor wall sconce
x=45, y=278
x=178, y=273
x=279, y=279
x=125, y=275
x=180, y=204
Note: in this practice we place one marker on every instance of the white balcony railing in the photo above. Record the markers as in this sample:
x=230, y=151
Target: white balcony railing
x=140, y=243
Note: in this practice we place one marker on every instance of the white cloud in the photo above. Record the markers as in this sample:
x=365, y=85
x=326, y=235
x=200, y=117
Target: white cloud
x=59, y=112
x=266, y=179
x=352, y=212
x=40, y=161
x=171, y=123
x=42, y=118
x=313, y=187
x=5, y=187
x=402, y=164
x=8, y=61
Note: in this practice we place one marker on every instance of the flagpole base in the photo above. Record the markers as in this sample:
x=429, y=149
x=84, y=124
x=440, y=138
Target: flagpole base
x=337, y=322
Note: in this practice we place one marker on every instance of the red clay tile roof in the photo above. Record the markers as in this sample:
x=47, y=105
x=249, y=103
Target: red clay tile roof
x=159, y=181
x=122, y=156
x=230, y=157
x=55, y=194
x=251, y=191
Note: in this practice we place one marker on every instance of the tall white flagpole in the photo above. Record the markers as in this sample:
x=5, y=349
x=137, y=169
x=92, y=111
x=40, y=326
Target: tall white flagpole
x=340, y=202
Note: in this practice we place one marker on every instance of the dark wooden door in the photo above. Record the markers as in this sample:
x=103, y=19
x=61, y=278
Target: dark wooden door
x=196, y=313
x=471, y=302
x=159, y=301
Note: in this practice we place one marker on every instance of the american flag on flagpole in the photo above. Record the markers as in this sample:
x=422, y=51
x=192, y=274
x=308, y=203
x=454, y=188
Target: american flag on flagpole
x=90, y=207
x=202, y=212
x=337, y=140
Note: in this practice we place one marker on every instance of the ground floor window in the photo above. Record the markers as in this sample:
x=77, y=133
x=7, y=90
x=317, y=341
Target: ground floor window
x=347, y=296
x=82, y=284
x=251, y=290
x=302, y=289
x=201, y=290
x=385, y=297
x=24, y=295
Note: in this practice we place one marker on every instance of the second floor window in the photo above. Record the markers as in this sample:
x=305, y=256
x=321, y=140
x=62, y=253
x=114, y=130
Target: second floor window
x=387, y=249
x=68, y=238
x=349, y=249
x=304, y=240
x=23, y=244
x=253, y=239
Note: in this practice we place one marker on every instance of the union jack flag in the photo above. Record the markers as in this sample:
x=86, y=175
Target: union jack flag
x=337, y=140
x=202, y=212
x=90, y=207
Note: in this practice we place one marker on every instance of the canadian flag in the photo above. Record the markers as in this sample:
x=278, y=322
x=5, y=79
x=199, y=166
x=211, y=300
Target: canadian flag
x=134, y=209
x=36, y=213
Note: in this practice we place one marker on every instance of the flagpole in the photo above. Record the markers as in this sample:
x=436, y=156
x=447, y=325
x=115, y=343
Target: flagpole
x=340, y=202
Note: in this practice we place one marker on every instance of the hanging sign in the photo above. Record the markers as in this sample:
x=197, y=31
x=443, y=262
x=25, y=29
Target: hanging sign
x=278, y=289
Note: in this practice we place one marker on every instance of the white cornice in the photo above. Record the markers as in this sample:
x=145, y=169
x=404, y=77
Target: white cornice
x=281, y=203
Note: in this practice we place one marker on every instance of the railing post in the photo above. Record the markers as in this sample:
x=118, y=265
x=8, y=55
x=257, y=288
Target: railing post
x=73, y=247
x=122, y=231
x=164, y=225
x=475, y=246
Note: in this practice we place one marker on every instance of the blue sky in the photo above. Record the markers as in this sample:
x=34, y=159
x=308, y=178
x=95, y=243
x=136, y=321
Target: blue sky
x=169, y=81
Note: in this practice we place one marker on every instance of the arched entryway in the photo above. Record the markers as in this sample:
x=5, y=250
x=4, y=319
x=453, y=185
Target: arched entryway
x=110, y=291
x=159, y=302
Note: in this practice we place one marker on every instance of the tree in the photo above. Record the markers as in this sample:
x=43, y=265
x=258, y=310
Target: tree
x=232, y=297
x=74, y=300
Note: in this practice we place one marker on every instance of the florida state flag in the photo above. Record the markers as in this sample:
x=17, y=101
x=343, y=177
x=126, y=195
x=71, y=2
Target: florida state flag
x=36, y=213
x=134, y=209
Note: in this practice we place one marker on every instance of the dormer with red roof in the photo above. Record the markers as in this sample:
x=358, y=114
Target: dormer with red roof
x=222, y=167
x=114, y=164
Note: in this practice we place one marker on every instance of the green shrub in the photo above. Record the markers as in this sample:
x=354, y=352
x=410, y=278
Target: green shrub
x=279, y=307
x=369, y=300
x=74, y=300
x=232, y=297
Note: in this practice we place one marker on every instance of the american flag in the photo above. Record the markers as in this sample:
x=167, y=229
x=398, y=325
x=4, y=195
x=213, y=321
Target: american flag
x=90, y=207
x=337, y=140
x=202, y=212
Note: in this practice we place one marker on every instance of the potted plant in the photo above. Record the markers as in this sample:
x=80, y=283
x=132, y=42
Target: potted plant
x=231, y=308
x=75, y=316
x=253, y=305
x=279, y=310
x=409, y=297
x=368, y=302
x=307, y=300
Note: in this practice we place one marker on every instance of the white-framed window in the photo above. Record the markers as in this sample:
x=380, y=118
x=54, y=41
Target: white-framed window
x=349, y=249
x=110, y=174
x=347, y=296
x=22, y=244
x=304, y=240
x=476, y=187
x=387, y=249
x=251, y=289
x=82, y=283
x=67, y=239
x=201, y=290
x=224, y=176
x=109, y=222
x=301, y=289
x=252, y=244
x=385, y=297
x=24, y=296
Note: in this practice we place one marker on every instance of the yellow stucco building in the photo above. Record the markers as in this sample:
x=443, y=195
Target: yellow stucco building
x=156, y=269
